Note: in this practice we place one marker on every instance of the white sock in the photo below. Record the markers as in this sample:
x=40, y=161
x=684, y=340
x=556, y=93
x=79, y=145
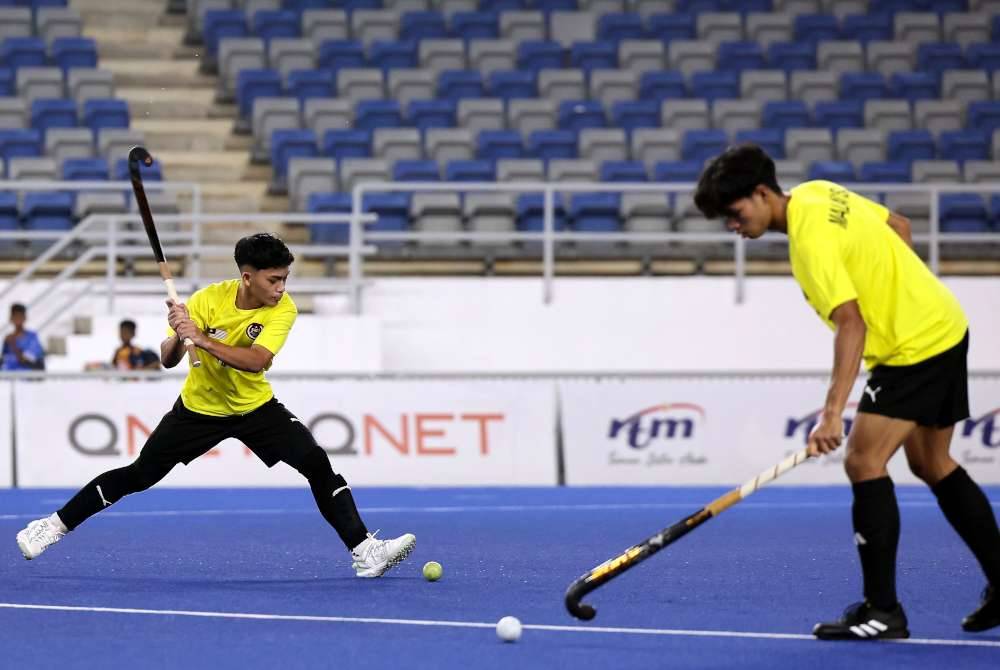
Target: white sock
x=58, y=523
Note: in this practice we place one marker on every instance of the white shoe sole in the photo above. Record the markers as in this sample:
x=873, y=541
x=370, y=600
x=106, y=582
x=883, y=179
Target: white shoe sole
x=23, y=546
x=408, y=545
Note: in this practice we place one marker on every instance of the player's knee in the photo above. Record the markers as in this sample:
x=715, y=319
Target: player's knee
x=314, y=464
x=145, y=474
x=860, y=466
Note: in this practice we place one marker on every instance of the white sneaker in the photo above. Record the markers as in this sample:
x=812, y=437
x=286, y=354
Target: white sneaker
x=40, y=535
x=373, y=557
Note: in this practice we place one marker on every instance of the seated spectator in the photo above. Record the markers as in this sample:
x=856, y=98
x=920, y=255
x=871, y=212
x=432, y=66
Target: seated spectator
x=22, y=350
x=130, y=357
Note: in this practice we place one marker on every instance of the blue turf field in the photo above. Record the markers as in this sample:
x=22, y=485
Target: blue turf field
x=769, y=567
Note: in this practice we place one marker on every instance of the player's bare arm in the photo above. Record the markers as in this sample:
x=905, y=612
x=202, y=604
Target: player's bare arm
x=848, y=346
x=901, y=225
x=254, y=358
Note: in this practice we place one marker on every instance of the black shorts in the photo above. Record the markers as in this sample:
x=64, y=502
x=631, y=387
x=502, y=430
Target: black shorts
x=932, y=393
x=271, y=432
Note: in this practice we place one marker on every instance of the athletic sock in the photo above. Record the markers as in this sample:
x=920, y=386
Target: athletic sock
x=968, y=511
x=336, y=504
x=876, y=533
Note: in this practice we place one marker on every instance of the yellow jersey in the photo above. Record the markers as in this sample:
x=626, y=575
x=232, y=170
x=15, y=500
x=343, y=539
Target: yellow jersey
x=842, y=248
x=215, y=388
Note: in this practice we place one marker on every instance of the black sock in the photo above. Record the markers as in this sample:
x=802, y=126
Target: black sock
x=336, y=504
x=876, y=532
x=107, y=489
x=968, y=511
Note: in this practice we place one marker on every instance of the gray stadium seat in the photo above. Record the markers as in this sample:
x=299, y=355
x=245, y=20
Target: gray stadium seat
x=603, y=144
x=310, y=175
x=860, y=145
x=914, y=206
x=490, y=55
x=489, y=213
x=965, y=85
x=840, y=56
x=395, y=144
x=322, y=114
x=641, y=55
x=520, y=170
x=529, y=115
x=841, y=8
x=15, y=22
x=567, y=27
x=520, y=26
x=938, y=172
x=320, y=25
x=353, y=171
x=360, y=84
x=34, y=169
x=440, y=55
x=287, y=54
x=646, y=212
x=610, y=86
x=689, y=219
x=249, y=7
x=916, y=27
x=436, y=213
x=652, y=145
x=196, y=13
x=996, y=85
x=763, y=85
x=39, y=82
x=985, y=6
x=572, y=169
x=449, y=7
x=448, y=144
x=995, y=145
x=406, y=5
x=406, y=85
x=790, y=173
x=54, y=22
x=270, y=114
x=684, y=114
x=161, y=203
x=888, y=58
x=813, y=86
x=13, y=113
x=798, y=6
x=979, y=172
x=368, y=25
x=85, y=83
x=809, y=144
x=481, y=114
x=98, y=202
x=115, y=143
x=966, y=28
x=720, y=26
x=601, y=6
x=235, y=54
x=766, y=27
x=938, y=115
x=562, y=84
x=733, y=115
x=63, y=143
x=691, y=56
x=888, y=115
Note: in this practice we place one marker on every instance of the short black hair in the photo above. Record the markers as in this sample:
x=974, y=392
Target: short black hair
x=733, y=175
x=261, y=251
x=18, y=308
x=127, y=323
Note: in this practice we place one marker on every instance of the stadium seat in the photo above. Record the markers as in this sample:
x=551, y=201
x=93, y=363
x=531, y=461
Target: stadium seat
x=935, y=57
x=425, y=114
x=650, y=145
x=579, y=114
x=910, y=145
x=458, y=84
x=527, y=116
x=415, y=170
x=739, y=56
x=792, y=56
x=715, y=85
x=74, y=52
x=784, y=114
x=538, y=55
x=562, y=85
x=394, y=144
x=588, y=56
x=513, y=84
x=474, y=25
x=421, y=25
x=371, y=114
x=436, y=213
x=288, y=143
x=623, y=171
x=15, y=22
x=771, y=140
x=495, y=144
x=735, y=115
x=46, y=113
x=39, y=82
x=254, y=84
x=393, y=211
x=303, y=84
x=838, y=171
x=481, y=114
x=641, y=55
x=388, y=55
x=354, y=171
x=936, y=171
x=310, y=175
x=16, y=143
x=85, y=169
x=847, y=113
x=700, y=145
x=609, y=86
x=152, y=172
x=888, y=172
x=595, y=212
x=222, y=23
x=671, y=27
x=530, y=212
x=329, y=203
x=63, y=143
x=569, y=170
x=963, y=213
x=470, y=170
x=869, y=27
x=662, y=85
x=631, y=114
x=813, y=28
x=860, y=145
x=962, y=145
x=862, y=86
x=269, y=24
x=18, y=52
x=548, y=144
x=85, y=83
x=336, y=54
x=603, y=144
x=489, y=55
x=105, y=113
x=618, y=26
x=47, y=211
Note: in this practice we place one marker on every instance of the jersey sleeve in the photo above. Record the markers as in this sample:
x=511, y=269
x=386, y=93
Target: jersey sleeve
x=824, y=277
x=277, y=327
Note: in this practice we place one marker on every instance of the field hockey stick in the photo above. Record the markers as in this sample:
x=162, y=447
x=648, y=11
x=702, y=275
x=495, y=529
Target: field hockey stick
x=636, y=554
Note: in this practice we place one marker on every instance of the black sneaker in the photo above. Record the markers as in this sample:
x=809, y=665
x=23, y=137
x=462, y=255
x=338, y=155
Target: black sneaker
x=988, y=614
x=862, y=621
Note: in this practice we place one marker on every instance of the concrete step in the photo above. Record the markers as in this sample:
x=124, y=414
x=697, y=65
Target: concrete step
x=163, y=103
x=157, y=72
x=210, y=166
x=148, y=42
x=185, y=134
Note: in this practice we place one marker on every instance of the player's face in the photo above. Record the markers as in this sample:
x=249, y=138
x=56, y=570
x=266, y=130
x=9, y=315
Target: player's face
x=268, y=285
x=750, y=216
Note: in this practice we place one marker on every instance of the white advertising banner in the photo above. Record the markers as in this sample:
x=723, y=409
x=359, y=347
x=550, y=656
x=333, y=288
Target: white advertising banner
x=725, y=430
x=6, y=443
x=440, y=433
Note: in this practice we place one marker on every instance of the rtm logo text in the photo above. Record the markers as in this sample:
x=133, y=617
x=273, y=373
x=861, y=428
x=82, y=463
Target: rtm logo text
x=986, y=425
x=804, y=426
x=671, y=421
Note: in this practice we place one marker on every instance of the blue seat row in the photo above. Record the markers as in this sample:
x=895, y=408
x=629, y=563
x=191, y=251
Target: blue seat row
x=65, y=52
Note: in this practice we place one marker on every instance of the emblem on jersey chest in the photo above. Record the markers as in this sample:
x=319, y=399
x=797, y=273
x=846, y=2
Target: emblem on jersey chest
x=253, y=330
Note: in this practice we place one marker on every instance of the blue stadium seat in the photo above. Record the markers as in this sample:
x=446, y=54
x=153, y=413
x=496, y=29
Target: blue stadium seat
x=503, y=5
x=789, y=56
x=305, y=84
x=631, y=114
x=963, y=213
x=915, y=85
x=887, y=172
x=329, y=203
x=152, y=172
x=784, y=114
x=371, y=114
x=68, y=52
x=837, y=114
x=862, y=86
x=53, y=113
x=393, y=210
x=253, y=84
x=8, y=216
x=470, y=170
x=6, y=82
x=595, y=212
x=995, y=211
x=220, y=23
x=580, y=114
x=739, y=56
x=537, y=55
x=670, y=27
x=593, y=56
x=415, y=170
x=813, y=28
x=105, y=113
x=425, y=114
x=423, y=25
x=85, y=169
x=269, y=24
x=391, y=54
x=964, y=145
x=18, y=52
x=347, y=144
x=459, y=84
x=336, y=54
x=699, y=6
x=983, y=115
x=510, y=84
x=475, y=25
x=910, y=145
x=839, y=171
x=771, y=140
x=18, y=143
x=530, y=212
x=700, y=145
x=868, y=27
x=714, y=85
x=47, y=211
x=940, y=56
x=995, y=28
x=554, y=5
x=494, y=144
x=623, y=171
x=662, y=85
x=984, y=56
x=287, y=144
x=617, y=26
x=547, y=144
x=677, y=171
